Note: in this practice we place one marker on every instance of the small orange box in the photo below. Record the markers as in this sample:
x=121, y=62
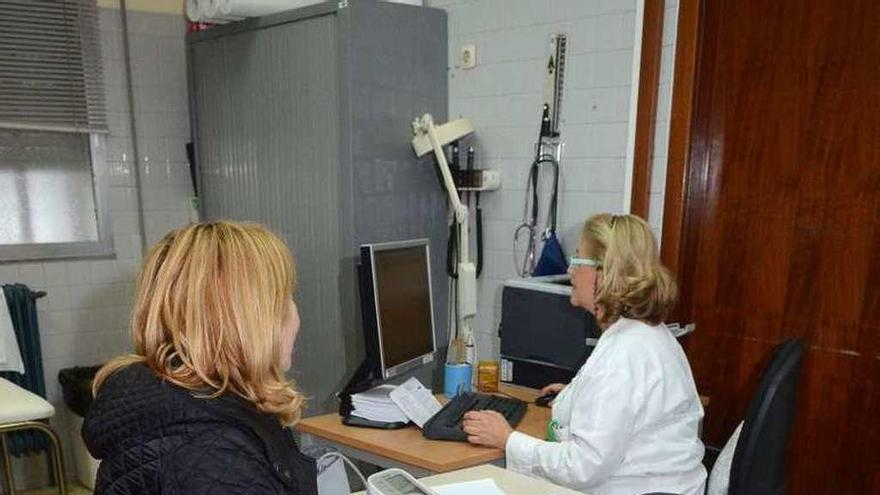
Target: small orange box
x=487, y=376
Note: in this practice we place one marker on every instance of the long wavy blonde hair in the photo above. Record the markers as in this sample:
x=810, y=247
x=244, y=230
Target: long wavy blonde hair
x=208, y=311
x=634, y=283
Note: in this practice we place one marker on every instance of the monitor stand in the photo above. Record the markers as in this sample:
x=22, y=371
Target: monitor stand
x=364, y=379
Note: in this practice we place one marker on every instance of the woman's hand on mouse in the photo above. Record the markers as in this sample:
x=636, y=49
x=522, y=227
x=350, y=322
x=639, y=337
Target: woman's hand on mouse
x=487, y=428
x=553, y=388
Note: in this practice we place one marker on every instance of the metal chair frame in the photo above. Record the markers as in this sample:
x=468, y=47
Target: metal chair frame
x=57, y=458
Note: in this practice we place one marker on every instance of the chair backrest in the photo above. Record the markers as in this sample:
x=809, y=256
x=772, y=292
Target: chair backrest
x=758, y=466
x=20, y=301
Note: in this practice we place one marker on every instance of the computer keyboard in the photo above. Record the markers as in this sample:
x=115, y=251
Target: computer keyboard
x=446, y=424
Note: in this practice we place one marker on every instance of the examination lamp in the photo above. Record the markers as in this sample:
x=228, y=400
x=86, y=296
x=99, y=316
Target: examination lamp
x=428, y=138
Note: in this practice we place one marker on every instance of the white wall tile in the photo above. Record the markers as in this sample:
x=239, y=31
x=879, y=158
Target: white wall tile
x=664, y=102
x=56, y=274
x=604, y=140
x=670, y=24
x=8, y=273
x=125, y=222
x=604, y=32
x=661, y=139
x=78, y=272
x=594, y=175
x=102, y=272
x=667, y=59
x=58, y=321
x=655, y=214
x=508, y=44
x=58, y=298
x=594, y=105
x=127, y=246
x=506, y=78
x=121, y=174
x=658, y=174
x=32, y=274
x=599, y=69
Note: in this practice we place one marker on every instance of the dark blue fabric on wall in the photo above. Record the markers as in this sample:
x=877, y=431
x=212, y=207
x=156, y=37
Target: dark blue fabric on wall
x=21, y=302
x=552, y=260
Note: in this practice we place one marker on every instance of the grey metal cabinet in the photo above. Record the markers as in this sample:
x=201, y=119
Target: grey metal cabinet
x=301, y=121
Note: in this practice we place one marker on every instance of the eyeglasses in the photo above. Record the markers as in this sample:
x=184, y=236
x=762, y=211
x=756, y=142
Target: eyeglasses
x=574, y=261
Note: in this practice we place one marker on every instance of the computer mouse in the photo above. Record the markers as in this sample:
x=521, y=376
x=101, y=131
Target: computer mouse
x=545, y=400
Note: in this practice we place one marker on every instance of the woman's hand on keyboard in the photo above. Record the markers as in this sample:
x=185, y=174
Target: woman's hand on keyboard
x=486, y=428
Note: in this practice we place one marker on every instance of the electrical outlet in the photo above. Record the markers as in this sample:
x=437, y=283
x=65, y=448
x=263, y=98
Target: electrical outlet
x=468, y=58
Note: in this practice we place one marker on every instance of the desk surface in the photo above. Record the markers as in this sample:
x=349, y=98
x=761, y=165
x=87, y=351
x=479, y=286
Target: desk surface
x=509, y=482
x=407, y=445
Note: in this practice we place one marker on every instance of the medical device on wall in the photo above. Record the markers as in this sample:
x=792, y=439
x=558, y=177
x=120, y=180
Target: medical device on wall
x=553, y=78
x=548, y=152
x=429, y=138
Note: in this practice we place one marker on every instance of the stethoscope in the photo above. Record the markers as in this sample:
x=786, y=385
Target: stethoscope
x=528, y=230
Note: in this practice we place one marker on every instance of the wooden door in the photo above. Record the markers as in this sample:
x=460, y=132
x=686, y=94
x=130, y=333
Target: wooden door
x=779, y=215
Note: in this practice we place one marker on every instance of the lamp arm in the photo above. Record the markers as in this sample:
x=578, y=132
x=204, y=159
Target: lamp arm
x=461, y=211
x=466, y=282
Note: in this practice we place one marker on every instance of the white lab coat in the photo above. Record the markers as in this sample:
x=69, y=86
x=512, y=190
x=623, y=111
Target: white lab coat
x=626, y=424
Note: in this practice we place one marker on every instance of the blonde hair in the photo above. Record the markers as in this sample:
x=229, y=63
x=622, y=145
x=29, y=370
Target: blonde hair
x=634, y=284
x=208, y=312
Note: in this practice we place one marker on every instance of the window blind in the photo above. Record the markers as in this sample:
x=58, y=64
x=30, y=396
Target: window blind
x=50, y=66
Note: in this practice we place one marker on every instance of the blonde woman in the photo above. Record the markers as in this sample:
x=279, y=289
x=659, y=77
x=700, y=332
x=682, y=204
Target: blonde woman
x=627, y=422
x=202, y=406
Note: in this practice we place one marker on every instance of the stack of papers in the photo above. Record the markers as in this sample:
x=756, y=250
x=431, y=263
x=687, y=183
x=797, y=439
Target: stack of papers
x=376, y=405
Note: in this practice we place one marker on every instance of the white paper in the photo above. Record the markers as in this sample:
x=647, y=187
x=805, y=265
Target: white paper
x=483, y=487
x=416, y=401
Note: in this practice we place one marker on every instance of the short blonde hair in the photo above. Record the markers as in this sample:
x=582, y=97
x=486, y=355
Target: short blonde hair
x=208, y=315
x=634, y=284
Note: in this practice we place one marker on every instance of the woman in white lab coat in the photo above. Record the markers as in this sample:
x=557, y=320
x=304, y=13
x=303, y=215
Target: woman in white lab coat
x=627, y=423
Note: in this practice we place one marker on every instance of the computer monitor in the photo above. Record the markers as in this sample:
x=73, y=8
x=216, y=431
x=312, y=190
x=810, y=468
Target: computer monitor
x=397, y=306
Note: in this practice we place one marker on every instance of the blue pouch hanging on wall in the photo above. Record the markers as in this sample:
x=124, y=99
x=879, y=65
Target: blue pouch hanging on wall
x=552, y=260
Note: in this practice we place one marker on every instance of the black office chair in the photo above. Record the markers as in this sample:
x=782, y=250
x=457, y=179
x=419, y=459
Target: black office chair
x=758, y=463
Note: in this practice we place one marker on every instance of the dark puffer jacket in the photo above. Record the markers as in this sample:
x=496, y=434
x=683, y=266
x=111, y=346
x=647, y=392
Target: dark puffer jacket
x=154, y=437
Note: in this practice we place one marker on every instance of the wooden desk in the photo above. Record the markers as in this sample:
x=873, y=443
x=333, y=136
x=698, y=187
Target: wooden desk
x=509, y=482
x=408, y=449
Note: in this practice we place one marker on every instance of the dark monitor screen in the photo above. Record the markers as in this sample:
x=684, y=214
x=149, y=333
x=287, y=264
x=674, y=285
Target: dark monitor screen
x=403, y=300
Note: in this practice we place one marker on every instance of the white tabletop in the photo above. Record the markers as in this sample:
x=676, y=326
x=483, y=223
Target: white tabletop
x=509, y=482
